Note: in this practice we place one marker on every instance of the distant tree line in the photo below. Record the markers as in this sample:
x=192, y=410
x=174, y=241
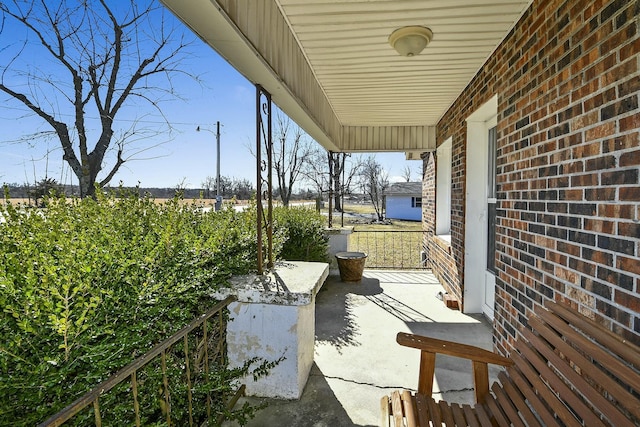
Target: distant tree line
x=230, y=187
x=49, y=187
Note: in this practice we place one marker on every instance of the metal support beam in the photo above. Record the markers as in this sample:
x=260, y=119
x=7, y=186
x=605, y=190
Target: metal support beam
x=264, y=193
x=330, y=155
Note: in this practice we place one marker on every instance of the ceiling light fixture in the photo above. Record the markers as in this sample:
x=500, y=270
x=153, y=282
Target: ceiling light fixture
x=410, y=41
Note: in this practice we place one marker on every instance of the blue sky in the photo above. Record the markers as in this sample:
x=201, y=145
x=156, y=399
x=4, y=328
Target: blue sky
x=178, y=156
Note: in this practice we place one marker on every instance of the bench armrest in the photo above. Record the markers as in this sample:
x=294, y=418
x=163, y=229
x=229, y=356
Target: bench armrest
x=451, y=348
x=430, y=347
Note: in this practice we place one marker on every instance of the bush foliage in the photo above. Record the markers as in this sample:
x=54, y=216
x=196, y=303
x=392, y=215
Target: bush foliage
x=88, y=285
x=304, y=238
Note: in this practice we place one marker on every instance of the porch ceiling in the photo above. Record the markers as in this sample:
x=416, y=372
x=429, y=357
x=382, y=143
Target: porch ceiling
x=329, y=66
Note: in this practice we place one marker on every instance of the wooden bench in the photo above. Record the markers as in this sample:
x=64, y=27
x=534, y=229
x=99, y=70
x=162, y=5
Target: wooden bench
x=565, y=370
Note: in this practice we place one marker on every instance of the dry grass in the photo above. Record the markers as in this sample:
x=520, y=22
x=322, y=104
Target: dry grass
x=388, y=249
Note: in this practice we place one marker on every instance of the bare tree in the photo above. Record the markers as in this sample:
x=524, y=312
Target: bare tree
x=345, y=167
x=342, y=164
x=374, y=181
x=209, y=186
x=242, y=188
x=316, y=171
x=292, y=149
x=406, y=173
x=96, y=57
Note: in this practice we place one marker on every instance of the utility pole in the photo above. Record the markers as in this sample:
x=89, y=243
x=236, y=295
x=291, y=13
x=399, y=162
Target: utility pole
x=218, y=195
x=218, y=204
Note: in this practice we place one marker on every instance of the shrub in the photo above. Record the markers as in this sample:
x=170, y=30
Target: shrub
x=86, y=286
x=305, y=239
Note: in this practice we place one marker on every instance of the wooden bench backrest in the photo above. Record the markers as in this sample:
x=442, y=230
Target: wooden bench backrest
x=570, y=366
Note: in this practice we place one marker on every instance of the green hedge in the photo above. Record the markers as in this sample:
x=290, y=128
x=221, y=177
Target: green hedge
x=304, y=238
x=88, y=285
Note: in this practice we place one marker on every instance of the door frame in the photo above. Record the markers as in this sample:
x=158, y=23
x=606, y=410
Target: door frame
x=475, y=242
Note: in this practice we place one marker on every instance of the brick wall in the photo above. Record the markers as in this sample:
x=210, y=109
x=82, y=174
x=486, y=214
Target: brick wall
x=567, y=79
x=440, y=255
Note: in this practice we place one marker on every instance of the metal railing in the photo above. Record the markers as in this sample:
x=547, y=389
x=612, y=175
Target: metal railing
x=185, y=361
x=395, y=249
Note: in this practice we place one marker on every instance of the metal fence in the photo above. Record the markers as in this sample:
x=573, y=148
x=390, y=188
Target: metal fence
x=394, y=249
x=176, y=370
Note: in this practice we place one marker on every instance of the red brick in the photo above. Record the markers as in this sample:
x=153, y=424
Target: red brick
x=630, y=159
x=630, y=193
x=629, y=87
x=629, y=229
x=621, y=143
x=619, y=72
x=627, y=300
x=630, y=49
x=630, y=123
x=617, y=211
x=599, y=226
x=587, y=59
x=599, y=67
x=599, y=99
x=630, y=265
x=601, y=131
x=585, y=120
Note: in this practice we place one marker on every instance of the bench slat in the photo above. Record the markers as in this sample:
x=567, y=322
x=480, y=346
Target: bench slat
x=576, y=402
x=624, y=349
x=604, y=406
x=396, y=408
x=447, y=414
x=458, y=415
x=470, y=416
x=408, y=406
x=423, y=410
x=545, y=356
x=547, y=396
x=384, y=412
x=483, y=416
x=507, y=405
x=434, y=412
x=496, y=412
x=515, y=394
x=608, y=363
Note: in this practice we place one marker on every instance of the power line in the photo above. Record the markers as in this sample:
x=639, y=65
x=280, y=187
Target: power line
x=157, y=122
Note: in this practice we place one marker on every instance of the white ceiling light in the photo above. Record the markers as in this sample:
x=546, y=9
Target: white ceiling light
x=410, y=41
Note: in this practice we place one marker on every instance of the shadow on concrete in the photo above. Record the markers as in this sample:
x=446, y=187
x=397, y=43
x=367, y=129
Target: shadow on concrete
x=398, y=309
x=317, y=407
x=454, y=376
x=356, y=358
x=336, y=301
x=404, y=277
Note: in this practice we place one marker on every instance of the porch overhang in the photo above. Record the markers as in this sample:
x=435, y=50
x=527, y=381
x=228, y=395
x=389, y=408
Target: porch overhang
x=328, y=65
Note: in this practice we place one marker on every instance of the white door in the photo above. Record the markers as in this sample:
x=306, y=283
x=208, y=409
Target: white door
x=480, y=204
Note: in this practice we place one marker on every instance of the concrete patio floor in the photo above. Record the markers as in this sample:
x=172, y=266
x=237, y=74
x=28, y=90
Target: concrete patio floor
x=357, y=360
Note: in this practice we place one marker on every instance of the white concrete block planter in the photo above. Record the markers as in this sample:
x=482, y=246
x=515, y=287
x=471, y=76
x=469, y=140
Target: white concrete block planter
x=274, y=317
x=338, y=242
